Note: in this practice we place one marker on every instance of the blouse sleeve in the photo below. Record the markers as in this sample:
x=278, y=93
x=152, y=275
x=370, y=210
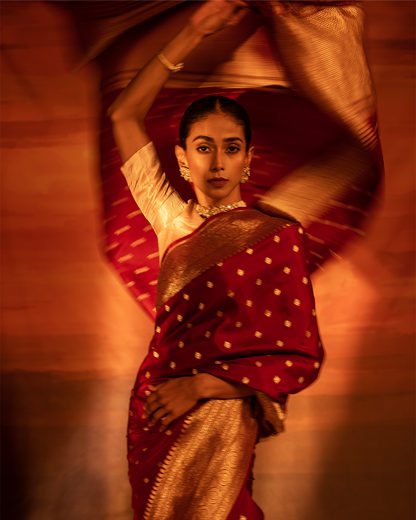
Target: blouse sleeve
x=151, y=190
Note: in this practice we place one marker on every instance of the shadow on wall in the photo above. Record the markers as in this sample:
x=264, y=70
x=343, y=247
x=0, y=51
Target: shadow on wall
x=59, y=444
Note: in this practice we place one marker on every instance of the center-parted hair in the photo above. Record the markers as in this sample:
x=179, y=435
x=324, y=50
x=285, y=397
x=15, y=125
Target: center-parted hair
x=206, y=106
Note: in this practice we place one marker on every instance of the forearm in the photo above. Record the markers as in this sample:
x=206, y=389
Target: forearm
x=211, y=387
x=137, y=98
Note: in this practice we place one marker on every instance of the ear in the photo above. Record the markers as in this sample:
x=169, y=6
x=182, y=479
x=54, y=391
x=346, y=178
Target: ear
x=249, y=156
x=181, y=156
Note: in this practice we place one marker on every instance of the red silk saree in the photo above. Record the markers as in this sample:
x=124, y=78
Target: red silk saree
x=234, y=301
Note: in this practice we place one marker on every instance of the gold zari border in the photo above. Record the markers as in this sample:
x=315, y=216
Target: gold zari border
x=206, y=467
x=220, y=238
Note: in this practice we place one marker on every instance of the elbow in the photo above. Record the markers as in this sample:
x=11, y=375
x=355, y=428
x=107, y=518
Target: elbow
x=114, y=113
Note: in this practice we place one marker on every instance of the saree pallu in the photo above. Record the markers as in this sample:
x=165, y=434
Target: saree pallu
x=234, y=301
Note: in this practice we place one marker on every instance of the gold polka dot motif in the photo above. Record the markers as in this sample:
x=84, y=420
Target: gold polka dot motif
x=288, y=323
x=230, y=294
x=301, y=380
x=308, y=334
x=210, y=285
x=288, y=363
x=258, y=281
x=227, y=344
x=194, y=371
x=259, y=363
x=249, y=303
x=268, y=260
x=286, y=270
x=296, y=302
x=276, y=238
x=316, y=365
x=225, y=366
x=172, y=364
x=305, y=280
x=167, y=308
x=201, y=306
x=276, y=380
x=279, y=343
x=245, y=380
x=156, y=354
x=186, y=296
x=157, y=329
x=249, y=251
x=295, y=249
x=220, y=314
x=207, y=334
x=181, y=344
x=198, y=355
x=179, y=317
x=240, y=272
x=268, y=313
x=238, y=324
x=277, y=292
x=147, y=375
x=258, y=334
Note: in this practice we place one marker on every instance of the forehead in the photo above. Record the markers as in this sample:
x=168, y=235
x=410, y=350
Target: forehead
x=217, y=126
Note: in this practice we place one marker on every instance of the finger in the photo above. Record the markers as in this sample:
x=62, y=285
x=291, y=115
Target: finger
x=167, y=419
x=150, y=403
x=152, y=408
x=158, y=414
x=238, y=15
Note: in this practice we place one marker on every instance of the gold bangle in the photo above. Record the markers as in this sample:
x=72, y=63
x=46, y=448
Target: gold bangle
x=170, y=66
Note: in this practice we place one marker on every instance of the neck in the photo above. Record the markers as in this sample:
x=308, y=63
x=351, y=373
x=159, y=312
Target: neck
x=231, y=198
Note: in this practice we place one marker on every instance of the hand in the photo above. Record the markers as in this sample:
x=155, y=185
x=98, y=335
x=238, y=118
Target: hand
x=215, y=15
x=170, y=400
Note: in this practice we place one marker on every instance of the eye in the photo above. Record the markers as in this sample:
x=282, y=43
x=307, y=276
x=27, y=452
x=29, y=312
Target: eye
x=233, y=148
x=203, y=148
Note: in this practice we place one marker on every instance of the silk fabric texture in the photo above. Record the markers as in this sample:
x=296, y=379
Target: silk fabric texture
x=235, y=301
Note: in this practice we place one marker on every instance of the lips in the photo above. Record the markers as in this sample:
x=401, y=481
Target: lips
x=218, y=182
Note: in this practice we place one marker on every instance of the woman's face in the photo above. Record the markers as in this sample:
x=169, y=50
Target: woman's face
x=216, y=155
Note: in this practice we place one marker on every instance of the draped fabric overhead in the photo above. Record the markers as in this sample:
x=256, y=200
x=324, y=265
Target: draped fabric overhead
x=285, y=63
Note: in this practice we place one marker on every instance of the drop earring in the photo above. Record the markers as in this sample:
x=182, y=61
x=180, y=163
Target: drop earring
x=185, y=173
x=246, y=174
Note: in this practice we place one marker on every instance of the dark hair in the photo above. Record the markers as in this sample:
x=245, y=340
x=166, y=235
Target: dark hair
x=203, y=107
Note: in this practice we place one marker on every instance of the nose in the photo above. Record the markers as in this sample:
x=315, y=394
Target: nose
x=217, y=163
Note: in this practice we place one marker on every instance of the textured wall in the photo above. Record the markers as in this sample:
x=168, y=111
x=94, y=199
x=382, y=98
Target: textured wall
x=73, y=338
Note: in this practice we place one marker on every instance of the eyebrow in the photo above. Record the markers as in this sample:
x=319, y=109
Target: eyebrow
x=211, y=140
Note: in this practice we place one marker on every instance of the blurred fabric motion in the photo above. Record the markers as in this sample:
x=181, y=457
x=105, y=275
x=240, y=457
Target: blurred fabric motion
x=73, y=338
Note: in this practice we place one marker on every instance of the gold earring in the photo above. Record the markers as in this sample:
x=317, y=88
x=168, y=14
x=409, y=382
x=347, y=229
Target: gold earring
x=246, y=173
x=185, y=173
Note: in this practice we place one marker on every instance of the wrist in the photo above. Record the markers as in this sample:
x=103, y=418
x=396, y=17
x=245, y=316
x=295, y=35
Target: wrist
x=200, y=386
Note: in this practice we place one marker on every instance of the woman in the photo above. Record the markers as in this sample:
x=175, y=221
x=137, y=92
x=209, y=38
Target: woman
x=236, y=328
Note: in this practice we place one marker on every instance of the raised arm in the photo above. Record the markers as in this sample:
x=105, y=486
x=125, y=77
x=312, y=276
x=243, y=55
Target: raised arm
x=129, y=110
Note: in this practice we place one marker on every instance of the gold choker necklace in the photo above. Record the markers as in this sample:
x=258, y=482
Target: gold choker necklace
x=208, y=211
